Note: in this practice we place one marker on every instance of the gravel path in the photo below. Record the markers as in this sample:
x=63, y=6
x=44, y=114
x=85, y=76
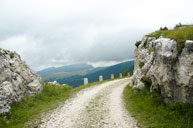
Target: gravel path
x=99, y=106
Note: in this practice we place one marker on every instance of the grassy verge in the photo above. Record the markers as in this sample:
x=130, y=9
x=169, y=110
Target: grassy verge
x=27, y=113
x=150, y=111
x=180, y=34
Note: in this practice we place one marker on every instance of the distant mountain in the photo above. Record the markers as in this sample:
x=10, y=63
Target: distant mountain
x=96, y=70
x=115, y=69
x=74, y=74
x=67, y=68
x=52, y=73
x=93, y=76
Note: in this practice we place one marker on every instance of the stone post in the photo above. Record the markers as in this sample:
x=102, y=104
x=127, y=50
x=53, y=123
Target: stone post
x=112, y=76
x=85, y=81
x=128, y=74
x=120, y=75
x=100, y=78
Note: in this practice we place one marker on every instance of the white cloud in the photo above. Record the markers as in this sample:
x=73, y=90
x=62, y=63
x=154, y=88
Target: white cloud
x=57, y=32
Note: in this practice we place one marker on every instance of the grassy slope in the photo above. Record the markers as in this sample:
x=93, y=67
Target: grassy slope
x=31, y=108
x=151, y=112
x=180, y=34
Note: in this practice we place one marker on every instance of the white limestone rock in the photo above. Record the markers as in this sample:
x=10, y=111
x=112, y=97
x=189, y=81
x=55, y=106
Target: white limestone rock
x=16, y=80
x=158, y=63
x=53, y=83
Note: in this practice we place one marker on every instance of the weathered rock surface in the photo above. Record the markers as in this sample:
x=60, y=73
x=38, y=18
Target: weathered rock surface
x=160, y=65
x=16, y=80
x=55, y=83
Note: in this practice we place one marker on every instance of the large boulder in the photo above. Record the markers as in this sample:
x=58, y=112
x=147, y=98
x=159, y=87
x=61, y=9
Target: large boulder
x=16, y=80
x=160, y=65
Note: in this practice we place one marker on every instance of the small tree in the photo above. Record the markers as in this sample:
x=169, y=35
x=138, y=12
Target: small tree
x=162, y=29
x=165, y=28
x=178, y=26
x=137, y=43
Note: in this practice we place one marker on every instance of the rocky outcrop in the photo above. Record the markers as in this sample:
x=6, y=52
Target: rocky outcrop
x=159, y=65
x=55, y=83
x=16, y=80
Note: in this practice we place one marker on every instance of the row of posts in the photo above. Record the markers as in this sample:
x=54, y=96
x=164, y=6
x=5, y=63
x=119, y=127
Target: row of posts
x=101, y=77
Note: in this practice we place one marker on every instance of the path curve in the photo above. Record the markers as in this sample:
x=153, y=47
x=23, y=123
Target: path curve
x=99, y=106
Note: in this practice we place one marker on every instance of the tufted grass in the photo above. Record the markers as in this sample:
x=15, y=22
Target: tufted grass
x=27, y=113
x=150, y=111
x=180, y=34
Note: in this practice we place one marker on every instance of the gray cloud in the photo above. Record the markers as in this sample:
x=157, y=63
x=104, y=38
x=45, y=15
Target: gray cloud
x=54, y=32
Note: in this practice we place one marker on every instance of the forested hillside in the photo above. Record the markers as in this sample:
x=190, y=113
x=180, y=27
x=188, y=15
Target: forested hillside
x=63, y=75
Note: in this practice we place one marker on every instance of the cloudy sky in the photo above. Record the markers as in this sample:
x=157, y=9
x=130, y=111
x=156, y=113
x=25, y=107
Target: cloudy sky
x=58, y=32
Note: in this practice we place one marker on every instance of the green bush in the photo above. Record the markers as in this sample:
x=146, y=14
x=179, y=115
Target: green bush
x=178, y=26
x=145, y=43
x=165, y=28
x=137, y=43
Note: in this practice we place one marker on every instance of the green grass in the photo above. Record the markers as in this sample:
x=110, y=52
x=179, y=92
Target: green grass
x=28, y=112
x=150, y=111
x=180, y=34
x=30, y=107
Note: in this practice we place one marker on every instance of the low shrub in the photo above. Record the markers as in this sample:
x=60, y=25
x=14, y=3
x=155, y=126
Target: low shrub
x=165, y=28
x=137, y=43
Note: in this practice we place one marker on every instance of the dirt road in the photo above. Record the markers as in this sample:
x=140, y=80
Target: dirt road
x=99, y=106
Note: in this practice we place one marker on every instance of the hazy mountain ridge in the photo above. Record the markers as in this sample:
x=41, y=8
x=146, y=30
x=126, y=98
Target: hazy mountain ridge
x=76, y=78
x=67, y=68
